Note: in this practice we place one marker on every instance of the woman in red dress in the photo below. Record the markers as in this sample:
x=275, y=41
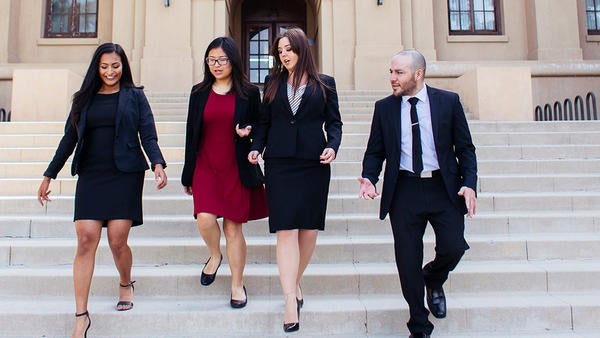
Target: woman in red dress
x=222, y=110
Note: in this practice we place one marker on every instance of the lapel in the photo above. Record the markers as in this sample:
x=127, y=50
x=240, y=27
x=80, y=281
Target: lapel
x=198, y=109
x=282, y=94
x=434, y=107
x=238, y=112
x=120, y=104
x=395, y=121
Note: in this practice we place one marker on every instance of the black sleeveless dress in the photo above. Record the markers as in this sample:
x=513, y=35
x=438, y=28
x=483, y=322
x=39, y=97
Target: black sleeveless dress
x=103, y=192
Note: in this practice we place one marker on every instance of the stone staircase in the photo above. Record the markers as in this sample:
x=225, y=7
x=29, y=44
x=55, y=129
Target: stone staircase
x=532, y=269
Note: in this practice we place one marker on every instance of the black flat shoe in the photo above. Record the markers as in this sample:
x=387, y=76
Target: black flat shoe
x=238, y=304
x=126, y=305
x=87, y=314
x=291, y=327
x=208, y=279
x=436, y=301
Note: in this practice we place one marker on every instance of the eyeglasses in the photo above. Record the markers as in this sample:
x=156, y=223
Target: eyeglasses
x=221, y=61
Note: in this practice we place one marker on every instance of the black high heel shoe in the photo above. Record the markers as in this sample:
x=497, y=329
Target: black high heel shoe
x=207, y=279
x=238, y=304
x=293, y=327
x=300, y=300
x=87, y=314
x=125, y=304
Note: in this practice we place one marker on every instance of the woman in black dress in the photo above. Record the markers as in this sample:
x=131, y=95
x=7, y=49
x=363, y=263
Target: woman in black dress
x=298, y=104
x=108, y=119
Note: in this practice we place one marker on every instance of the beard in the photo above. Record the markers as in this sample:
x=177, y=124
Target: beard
x=406, y=89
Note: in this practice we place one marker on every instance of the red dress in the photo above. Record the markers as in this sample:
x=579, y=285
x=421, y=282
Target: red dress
x=216, y=186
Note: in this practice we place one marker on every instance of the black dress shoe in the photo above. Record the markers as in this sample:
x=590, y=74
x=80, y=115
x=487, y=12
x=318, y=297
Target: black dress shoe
x=436, y=301
x=208, y=279
x=419, y=335
x=238, y=304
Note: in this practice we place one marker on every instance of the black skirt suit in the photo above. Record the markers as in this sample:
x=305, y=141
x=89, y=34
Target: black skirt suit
x=108, y=160
x=297, y=183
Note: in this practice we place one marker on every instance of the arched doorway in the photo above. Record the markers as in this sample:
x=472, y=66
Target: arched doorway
x=262, y=21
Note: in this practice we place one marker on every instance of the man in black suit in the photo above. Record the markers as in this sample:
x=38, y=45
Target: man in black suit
x=432, y=182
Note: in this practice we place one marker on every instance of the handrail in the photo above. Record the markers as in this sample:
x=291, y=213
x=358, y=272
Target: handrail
x=565, y=112
x=4, y=116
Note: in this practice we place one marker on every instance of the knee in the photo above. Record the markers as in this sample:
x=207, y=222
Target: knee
x=233, y=232
x=86, y=244
x=205, y=221
x=117, y=244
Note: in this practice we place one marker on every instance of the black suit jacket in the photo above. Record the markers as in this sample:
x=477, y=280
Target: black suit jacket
x=134, y=123
x=453, y=145
x=245, y=114
x=281, y=134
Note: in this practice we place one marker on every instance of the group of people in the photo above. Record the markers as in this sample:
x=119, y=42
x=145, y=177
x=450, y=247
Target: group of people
x=297, y=129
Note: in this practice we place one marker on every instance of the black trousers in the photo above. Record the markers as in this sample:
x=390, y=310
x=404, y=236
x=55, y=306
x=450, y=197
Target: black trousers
x=416, y=202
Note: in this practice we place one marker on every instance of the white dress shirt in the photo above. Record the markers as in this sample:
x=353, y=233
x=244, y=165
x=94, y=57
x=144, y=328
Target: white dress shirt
x=430, y=160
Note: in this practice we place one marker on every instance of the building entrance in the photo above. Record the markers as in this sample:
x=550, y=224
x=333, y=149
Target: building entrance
x=263, y=20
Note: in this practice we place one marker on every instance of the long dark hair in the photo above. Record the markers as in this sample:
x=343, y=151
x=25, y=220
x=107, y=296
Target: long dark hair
x=305, y=65
x=240, y=84
x=92, y=81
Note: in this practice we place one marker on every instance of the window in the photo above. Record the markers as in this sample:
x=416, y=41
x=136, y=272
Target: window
x=473, y=17
x=592, y=10
x=71, y=19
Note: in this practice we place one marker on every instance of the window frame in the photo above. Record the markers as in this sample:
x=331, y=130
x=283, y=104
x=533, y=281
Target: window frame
x=472, y=30
x=74, y=18
x=596, y=12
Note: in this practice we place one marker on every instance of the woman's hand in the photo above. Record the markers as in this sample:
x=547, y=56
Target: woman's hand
x=243, y=132
x=327, y=156
x=187, y=190
x=43, y=192
x=253, y=156
x=160, y=176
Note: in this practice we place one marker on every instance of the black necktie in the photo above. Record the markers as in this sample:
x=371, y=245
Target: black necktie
x=417, y=152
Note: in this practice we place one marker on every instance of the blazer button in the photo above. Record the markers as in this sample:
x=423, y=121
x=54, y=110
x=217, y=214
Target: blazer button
x=292, y=121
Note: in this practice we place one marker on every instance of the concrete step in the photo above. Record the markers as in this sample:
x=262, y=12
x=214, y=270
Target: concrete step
x=341, y=184
x=56, y=127
x=26, y=226
x=349, y=139
x=492, y=167
x=330, y=249
x=347, y=204
x=184, y=225
x=356, y=153
x=172, y=280
x=365, y=316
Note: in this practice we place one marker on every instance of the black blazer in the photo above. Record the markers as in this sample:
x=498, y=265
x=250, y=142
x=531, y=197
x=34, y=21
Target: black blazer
x=246, y=114
x=285, y=135
x=134, y=117
x=453, y=145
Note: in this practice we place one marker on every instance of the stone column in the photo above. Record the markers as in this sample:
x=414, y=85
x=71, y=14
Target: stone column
x=123, y=31
x=553, y=30
x=167, y=65
x=419, y=14
x=209, y=19
x=378, y=37
x=4, y=30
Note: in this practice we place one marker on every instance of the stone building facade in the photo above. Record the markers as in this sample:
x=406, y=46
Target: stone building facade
x=503, y=56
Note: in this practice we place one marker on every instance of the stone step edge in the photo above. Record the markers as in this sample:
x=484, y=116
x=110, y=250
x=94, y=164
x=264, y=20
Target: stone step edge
x=268, y=309
x=314, y=269
x=255, y=240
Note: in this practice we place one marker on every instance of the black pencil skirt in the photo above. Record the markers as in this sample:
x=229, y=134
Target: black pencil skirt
x=297, y=192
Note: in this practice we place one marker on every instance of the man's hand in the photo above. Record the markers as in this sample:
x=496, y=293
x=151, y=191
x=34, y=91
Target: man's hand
x=470, y=200
x=367, y=189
